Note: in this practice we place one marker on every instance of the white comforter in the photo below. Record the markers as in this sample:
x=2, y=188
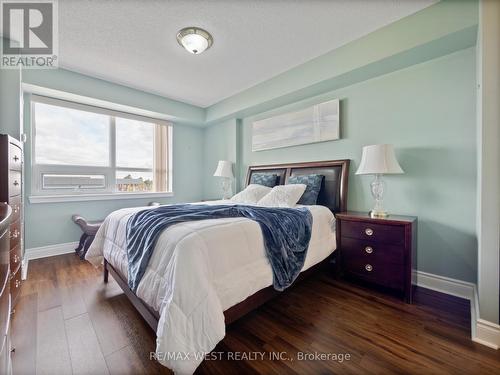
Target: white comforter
x=199, y=269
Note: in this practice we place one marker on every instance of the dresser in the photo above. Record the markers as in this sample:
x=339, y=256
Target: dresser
x=379, y=251
x=11, y=192
x=5, y=297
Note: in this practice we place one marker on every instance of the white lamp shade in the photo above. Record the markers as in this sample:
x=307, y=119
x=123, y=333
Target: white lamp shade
x=379, y=159
x=224, y=169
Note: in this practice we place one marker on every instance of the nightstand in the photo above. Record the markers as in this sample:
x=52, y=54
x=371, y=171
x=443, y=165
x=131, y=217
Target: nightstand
x=380, y=251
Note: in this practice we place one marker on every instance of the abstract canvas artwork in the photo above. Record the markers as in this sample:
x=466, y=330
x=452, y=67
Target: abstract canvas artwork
x=317, y=123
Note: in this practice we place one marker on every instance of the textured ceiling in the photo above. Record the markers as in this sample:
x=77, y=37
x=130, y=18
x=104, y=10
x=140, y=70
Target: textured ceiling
x=133, y=42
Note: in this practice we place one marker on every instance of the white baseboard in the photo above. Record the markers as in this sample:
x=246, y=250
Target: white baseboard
x=482, y=331
x=487, y=333
x=447, y=285
x=50, y=250
x=24, y=268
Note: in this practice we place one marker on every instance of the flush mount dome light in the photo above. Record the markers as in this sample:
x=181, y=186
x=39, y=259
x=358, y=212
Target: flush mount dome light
x=194, y=39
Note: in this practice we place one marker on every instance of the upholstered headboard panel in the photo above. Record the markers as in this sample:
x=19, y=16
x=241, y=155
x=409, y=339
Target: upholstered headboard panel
x=333, y=192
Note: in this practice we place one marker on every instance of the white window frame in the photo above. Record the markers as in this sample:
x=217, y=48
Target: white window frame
x=40, y=195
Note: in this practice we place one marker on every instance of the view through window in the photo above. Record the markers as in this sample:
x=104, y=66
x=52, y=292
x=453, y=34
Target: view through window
x=83, y=149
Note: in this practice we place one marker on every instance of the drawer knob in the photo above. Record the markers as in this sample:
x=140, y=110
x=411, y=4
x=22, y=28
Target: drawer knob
x=16, y=158
x=16, y=183
x=18, y=283
x=369, y=249
x=369, y=267
x=369, y=231
x=16, y=258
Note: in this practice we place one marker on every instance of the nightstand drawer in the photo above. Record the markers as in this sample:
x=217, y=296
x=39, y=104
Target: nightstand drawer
x=392, y=234
x=379, y=251
x=390, y=275
x=372, y=251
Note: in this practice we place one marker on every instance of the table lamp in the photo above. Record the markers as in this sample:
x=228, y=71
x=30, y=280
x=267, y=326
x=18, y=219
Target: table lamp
x=378, y=160
x=225, y=170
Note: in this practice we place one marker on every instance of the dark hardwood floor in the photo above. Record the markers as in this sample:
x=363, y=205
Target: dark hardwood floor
x=68, y=321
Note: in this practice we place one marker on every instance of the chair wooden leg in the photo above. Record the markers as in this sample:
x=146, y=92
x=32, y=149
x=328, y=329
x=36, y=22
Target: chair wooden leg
x=81, y=243
x=106, y=272
x=88, y=242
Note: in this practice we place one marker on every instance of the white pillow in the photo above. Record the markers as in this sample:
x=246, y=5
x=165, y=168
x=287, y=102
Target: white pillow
x=283, y=196
x=251, y=194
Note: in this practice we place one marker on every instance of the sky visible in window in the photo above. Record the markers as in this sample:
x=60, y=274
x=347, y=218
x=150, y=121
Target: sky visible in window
x=71, y=137
x=134, y=144
x=68, y=136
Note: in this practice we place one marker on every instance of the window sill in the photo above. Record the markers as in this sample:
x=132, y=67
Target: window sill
x=95, y=197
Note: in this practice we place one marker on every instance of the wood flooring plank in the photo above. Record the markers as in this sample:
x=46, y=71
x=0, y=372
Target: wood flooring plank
x=52, y=346
x=24, y=335
x=28, y=287
x=85, y=352
x=109, y=330
x=48, y=294
x=141, y=337
x=125, y=362
x=72, y=301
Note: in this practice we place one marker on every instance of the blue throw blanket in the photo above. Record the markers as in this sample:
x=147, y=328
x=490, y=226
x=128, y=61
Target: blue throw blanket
x=286, y=233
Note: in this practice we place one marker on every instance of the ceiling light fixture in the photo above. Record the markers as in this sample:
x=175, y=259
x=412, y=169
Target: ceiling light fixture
x=194, y=39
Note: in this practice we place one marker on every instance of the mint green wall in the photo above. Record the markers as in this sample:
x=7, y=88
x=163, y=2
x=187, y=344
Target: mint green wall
x=50, y=223
x=219, y=143
x=428, y=112
x=95, y=88
x=10, y=101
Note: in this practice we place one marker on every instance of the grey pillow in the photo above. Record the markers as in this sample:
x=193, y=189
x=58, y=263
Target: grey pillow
x=264, y=179
x=313, y=183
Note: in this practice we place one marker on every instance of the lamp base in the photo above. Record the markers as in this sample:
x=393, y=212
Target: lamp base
x=226, y=188
x=377, y=188
x=375, y=214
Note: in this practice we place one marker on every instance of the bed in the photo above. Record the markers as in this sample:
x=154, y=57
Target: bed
x=205, y=275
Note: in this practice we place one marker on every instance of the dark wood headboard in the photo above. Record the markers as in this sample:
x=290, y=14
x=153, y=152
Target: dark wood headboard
x=333, y=192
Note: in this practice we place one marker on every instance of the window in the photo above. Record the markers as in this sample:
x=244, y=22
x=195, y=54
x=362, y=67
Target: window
x=80, y=149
